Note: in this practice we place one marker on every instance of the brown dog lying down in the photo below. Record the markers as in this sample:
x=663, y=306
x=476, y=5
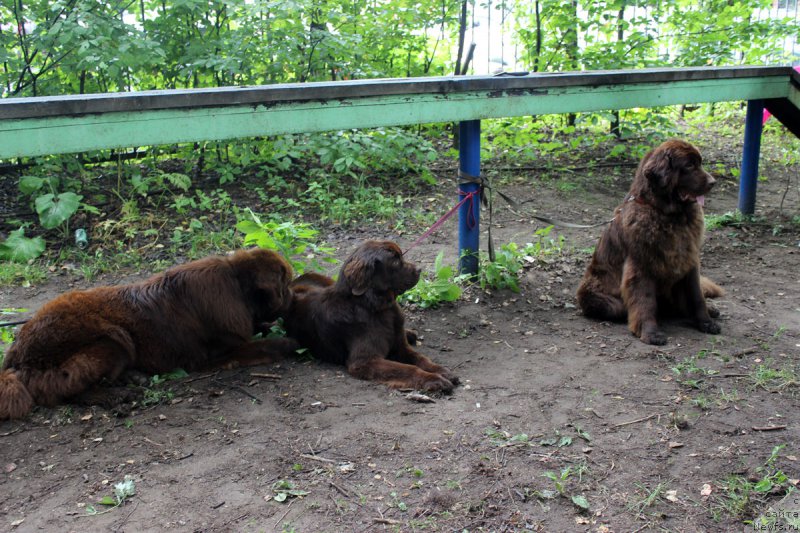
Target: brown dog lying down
x=356, y=321
x=194, y=316
x=647, y=262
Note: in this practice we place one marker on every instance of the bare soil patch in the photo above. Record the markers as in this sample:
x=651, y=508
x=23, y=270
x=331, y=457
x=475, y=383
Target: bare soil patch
x=650, y=437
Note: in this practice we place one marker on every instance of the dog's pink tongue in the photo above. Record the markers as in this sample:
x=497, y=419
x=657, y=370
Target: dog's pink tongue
x=701, y=200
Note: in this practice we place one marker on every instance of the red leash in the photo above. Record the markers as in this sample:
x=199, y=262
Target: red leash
x=467, y=197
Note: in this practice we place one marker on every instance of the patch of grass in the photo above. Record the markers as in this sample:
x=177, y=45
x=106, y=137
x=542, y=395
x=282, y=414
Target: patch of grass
x=729, y=219
x=767, y=377
x=647, y=497
x=155, y=393
x=689, y=374
x=22, y=274
x=499, y=437
x=741, y=496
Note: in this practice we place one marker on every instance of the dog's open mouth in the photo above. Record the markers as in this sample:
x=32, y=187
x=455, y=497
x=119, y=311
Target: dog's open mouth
x=688, y=197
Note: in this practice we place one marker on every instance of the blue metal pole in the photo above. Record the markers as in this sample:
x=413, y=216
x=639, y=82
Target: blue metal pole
x=469, y=148
x=748, y=180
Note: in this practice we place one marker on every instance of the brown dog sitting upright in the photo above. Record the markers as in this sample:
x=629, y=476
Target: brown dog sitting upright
x=199, y=315
x=356, y=321
x=648, y=259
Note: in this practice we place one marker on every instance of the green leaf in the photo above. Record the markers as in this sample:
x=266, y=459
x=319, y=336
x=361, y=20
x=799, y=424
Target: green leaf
x=280, y=497
x=30, y=184
x=21, y=249
x=107, y=500
x=581, y=502
x=56, y=210
x=765, y=485
x=182, y=181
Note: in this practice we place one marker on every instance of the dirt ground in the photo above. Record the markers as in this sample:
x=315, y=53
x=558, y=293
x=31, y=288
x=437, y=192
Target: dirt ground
x=555, y=411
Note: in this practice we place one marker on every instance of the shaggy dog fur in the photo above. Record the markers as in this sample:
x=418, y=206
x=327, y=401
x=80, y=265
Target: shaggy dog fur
x=647, y=262
x=355, y=321
x=198, y=315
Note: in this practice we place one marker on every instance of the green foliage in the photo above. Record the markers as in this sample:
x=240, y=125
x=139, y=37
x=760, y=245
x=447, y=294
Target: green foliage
x=295, y=241
x=731, y=218
x=7, y=332
x=504, y=271
x=740, y=496
x=122, y=491
x=54, y=209
x=21, y=249
x=284, y=490
x=430, y=293
x=156, y=393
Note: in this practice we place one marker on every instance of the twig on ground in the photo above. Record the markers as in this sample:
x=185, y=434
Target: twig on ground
x=198, y=378
x=289, y=508
x=265, y=376
x=317, y=458
x=340, y=489
x=644, y=419
x=768, y=428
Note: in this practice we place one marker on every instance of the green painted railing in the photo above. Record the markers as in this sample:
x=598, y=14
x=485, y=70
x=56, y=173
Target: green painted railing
x=65, y=124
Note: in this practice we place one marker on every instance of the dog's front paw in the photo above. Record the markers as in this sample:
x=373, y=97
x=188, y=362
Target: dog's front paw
x=655, y=337
x=437, y=383
x=713, y=312
x=450, y=376
x=708, y=326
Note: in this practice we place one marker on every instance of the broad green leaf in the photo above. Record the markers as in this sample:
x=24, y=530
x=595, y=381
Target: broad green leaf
x=56, y=210
x=30, y=184
x=21, y=249
x=581, y=502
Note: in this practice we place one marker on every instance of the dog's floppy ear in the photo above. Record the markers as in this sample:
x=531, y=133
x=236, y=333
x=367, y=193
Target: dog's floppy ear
x=658, y=169
x=358, y=274
x=264, y=272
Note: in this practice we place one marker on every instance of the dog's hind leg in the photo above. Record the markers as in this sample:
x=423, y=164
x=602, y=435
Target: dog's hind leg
x=82, y=370
x=600, y=305
x=15, y=400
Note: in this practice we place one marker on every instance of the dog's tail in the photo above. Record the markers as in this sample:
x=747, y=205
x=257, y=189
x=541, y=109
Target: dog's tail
x=15, y=399
x=710, y=289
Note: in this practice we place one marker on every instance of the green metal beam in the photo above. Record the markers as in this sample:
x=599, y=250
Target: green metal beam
x=118, y=129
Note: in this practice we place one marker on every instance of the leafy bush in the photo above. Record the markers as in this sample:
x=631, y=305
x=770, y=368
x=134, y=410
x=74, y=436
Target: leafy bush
x=429, y=293
x=296, y=241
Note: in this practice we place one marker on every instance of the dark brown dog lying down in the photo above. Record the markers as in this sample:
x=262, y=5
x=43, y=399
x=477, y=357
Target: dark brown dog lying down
x=194, y=316
x=647, y=262
x=356, y=321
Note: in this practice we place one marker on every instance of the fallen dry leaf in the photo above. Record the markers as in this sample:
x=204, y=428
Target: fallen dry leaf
x=671, y=495
x=705, y=492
